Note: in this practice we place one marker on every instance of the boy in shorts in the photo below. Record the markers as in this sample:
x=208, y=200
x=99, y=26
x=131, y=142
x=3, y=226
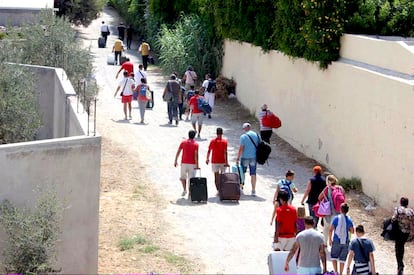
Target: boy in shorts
x=339, y=242
x=219, y=162
x=189, y=159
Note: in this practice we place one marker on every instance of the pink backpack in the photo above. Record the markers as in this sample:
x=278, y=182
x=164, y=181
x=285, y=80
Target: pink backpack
x=338, y=197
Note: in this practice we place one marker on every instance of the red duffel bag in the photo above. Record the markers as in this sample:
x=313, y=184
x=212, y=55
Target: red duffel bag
x=271, y=120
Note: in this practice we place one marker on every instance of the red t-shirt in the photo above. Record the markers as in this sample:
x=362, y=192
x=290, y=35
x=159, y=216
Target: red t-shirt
x=193, y=103
x=128, y=66
x=218, y=146
x=189, y=147
x=287, y=217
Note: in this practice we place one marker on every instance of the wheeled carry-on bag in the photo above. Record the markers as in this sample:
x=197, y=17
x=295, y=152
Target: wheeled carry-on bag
x=229, y=186
x=236, y=168
x=276, y=261
x=101, y=42
x=150, y=103
x=198, y=188
x=110, y=60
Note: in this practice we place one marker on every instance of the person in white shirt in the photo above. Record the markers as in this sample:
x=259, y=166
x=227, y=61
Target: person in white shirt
x=126, y=85
x=189, y=77
x=209, y=88
x=105, y=31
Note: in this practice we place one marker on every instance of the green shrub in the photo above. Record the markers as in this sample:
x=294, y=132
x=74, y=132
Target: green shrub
x=32, y=234
x=188, y=43
x=19, y=115
x=351, y=184
x=129, y=243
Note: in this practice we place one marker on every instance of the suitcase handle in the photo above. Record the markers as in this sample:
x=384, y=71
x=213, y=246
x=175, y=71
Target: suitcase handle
x=195, y=172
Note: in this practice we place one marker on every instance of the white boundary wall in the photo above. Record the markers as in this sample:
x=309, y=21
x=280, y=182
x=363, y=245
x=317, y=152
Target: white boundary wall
x=354, y=121
x=66, y=159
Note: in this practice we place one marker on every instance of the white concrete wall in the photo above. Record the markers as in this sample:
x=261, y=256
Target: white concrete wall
x=66, y=158
x=389, y=54
x=72, y=166
x=354, y=121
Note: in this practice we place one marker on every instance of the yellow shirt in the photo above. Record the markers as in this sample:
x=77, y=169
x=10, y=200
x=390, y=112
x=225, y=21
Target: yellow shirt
x=144, y=48
x=118, y=47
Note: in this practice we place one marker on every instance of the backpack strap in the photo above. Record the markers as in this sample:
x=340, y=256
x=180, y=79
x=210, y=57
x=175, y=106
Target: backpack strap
x=361, y=248
x=251, y=140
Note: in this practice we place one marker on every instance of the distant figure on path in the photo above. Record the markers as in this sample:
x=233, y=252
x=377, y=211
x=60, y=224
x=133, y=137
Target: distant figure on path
x=129, y=33
x=140, y=74
x=126, y=86
x=117, y=50
x=189, y=159
x=197, y=115
x=265, y=132
x=189, y=77
x=105, y=31
x=144, y=49
x=209, y=89
x=121, y=31
x=173, y=89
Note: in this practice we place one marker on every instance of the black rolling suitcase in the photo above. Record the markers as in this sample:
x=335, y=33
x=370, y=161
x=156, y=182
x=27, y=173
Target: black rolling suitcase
x=229, y=186
x=150, y=103
x=101, y=42
x=198, y=188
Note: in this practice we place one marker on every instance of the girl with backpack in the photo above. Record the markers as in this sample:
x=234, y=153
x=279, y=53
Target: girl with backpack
x=143, y=91
x=336, y=196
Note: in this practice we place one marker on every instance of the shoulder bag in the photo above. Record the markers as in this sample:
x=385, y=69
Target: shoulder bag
x=126, y=81
x=168, y=95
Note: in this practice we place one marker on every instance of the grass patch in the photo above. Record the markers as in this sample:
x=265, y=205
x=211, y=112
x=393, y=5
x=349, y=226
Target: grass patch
x=351, y=184
x=150, y=249
x=129, y=243
x=174, y=259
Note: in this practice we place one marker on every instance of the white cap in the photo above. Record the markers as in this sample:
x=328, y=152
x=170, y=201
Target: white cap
x=245, y=125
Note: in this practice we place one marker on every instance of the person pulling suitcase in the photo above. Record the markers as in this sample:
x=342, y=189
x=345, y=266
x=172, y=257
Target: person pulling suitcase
x=218, y=151
x=189, y=159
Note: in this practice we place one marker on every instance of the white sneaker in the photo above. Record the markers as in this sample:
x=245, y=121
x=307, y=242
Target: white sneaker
x=184, y=193
x=253, y=193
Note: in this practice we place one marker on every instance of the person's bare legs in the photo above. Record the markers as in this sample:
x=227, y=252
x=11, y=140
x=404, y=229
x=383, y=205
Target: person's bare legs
x=216, y=179
x=253, y=180
x=125, y=110
x=184, y=184
x=199, y=129
x=335, y=266
x=130, y=109
x=341, y=267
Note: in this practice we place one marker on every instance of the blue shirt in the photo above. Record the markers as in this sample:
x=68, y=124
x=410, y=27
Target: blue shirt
x=249, y=149
x=349, y=224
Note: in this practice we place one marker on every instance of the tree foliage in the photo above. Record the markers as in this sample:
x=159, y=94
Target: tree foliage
x=188, y=43
x=79, y=12
x=32, y=234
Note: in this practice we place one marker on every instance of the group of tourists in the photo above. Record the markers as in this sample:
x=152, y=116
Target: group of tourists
x=298, y=234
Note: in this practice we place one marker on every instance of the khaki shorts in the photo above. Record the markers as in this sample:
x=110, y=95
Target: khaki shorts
x=285, y=244
x=197, y=118
x=187, y=171
x=218, y=167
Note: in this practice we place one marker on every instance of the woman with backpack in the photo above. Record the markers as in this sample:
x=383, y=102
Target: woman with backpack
x=143, y=91
x=335, y=194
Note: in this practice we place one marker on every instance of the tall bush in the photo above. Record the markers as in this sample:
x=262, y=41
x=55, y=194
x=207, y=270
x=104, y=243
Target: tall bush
x=32, y=235
x=188, y=43
x=19, y=115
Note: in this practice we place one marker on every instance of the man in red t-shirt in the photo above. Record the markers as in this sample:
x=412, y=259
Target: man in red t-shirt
x=196, y=114
x=286, y=217
x=219, y=161
x=127, y=66
x=189, y=159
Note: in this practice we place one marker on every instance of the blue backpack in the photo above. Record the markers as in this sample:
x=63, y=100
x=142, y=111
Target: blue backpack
x=203, y=105
x=143, y=90
x=284, y=185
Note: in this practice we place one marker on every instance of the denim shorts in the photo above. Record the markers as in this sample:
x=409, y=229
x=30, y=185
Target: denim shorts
x=339, y=251
x=309, y=270
x=251, y=163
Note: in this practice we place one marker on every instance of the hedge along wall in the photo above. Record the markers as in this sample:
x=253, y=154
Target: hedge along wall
x=354, y=121
x=310, y=29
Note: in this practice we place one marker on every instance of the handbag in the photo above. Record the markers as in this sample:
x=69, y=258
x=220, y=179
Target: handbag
x=315, y=209
x=271, y=120
x=325, y=207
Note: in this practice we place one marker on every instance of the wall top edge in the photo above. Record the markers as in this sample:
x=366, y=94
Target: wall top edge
x=57, y=142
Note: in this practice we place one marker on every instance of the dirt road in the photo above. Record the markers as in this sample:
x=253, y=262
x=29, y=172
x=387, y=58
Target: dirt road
x=141, y=193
